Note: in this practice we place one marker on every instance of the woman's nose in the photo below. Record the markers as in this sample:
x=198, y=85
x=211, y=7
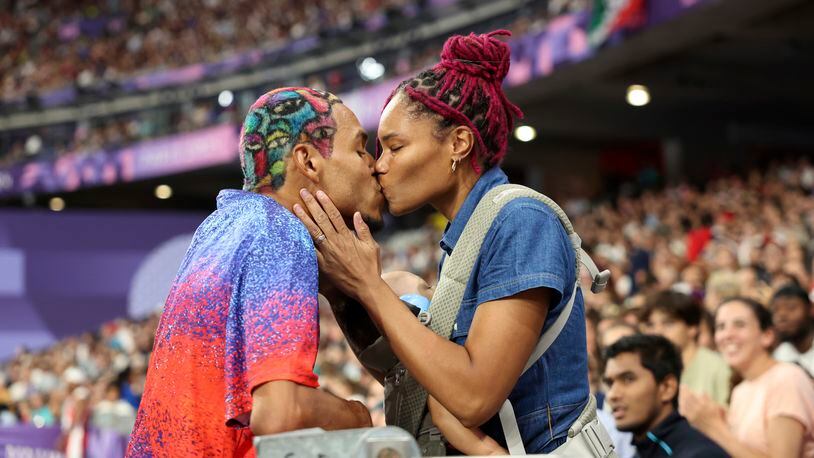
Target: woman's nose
x=382, y=164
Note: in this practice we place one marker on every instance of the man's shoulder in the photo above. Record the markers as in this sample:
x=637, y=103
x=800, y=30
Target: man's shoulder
x=691, y=442
x=263, y=218
x=786, y=352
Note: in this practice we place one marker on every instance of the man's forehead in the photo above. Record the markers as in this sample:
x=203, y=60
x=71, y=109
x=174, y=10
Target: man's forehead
x=347, y=121
x=623, y=362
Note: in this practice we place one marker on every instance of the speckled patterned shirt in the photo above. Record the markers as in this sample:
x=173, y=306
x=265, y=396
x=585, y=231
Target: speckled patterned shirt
x=243, y=311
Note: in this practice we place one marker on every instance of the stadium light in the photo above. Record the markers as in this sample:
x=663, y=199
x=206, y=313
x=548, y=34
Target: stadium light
x=163, y=191
x=370, y=69
x=638, y=95
x=525, y=133
x=56, y=204
x=225, y=98
x=33, y=145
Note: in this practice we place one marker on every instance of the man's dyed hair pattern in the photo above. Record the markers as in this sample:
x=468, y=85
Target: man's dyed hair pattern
x=276, y=122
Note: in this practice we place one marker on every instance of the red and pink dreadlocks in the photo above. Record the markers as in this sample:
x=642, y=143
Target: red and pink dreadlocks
x=465, y=89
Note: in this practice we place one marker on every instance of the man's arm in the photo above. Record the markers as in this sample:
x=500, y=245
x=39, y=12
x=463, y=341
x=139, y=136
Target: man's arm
x=280, y=406
x=357, y=326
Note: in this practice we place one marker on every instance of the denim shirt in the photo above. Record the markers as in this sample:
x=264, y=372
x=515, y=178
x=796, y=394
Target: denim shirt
x=525, y=248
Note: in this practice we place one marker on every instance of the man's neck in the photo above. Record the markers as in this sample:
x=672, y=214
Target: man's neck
x=658, y=420
x=803, y=343
x=282, y=196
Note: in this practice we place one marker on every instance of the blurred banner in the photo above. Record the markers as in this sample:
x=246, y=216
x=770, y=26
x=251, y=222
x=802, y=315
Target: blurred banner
x=29, y=441
x=173, y=154
x=71, y=272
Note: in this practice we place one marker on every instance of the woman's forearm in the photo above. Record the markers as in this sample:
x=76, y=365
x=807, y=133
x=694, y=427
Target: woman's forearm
x=723, y=436
x=444, y=368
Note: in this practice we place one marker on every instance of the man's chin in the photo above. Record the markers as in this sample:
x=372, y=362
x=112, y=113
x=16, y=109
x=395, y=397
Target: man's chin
x=374, y=222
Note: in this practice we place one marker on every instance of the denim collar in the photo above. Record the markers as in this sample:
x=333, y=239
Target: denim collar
x=491, y=178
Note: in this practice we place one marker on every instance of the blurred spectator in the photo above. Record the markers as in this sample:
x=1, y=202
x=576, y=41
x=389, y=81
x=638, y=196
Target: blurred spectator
x=678, y=317
x=792, y=318
x=642, y=374
x=614, y=331
x=771, y=412
x=113, y=412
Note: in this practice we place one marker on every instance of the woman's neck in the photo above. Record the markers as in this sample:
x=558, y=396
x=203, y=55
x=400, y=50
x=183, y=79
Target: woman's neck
x=759, y=366
x=448, y=204
x=689, y=353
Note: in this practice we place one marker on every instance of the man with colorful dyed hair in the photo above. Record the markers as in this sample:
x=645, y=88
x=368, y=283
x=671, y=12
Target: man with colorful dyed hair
x=235, y=349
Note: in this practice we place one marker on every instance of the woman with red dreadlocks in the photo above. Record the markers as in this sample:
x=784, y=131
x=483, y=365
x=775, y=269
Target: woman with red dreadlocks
x=442, y=137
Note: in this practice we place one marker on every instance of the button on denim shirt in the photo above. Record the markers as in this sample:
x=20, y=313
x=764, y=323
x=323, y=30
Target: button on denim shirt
x=526, y=247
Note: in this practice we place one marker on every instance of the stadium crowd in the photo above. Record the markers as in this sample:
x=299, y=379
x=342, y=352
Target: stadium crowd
x=48, y=45
x=116, y=40
x=675, y=255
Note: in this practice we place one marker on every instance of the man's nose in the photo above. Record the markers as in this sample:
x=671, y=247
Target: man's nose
x=613, y=393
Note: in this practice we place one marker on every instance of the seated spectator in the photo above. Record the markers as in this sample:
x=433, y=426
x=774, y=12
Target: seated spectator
x=678, y=317
x=642, y=374
x=792, y=318
x=615, y=331
x=771, y=413
x=113, y=412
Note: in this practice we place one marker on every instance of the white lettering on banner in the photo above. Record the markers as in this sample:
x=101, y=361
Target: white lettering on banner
x=25, y=451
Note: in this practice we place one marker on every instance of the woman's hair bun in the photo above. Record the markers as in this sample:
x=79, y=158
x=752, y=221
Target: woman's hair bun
x=483, y=56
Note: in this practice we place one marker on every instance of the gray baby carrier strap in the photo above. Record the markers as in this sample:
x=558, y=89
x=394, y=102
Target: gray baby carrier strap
x=411, y=413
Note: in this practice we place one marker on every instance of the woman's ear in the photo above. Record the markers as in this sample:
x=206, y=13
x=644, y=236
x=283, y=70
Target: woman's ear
x=462, y=142
x=307, y=161
x=767, y=339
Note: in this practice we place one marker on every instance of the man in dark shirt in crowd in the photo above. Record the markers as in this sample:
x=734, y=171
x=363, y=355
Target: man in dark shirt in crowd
x=792, y=315
x=642, y=374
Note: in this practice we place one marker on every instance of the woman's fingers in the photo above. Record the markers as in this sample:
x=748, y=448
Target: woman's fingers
x=333, y=213
x=309, y=223
x=317, y=213
x=362, y=230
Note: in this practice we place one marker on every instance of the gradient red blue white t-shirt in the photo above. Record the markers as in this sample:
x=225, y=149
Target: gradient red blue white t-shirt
x=243, y=311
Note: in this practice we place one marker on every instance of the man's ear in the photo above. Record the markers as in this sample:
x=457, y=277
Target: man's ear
x=463, y=140
x=307, y=161
x=668, y=389
x=694, y=332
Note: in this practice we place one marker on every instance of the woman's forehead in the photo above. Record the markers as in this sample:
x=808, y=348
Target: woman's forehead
x=734, y=310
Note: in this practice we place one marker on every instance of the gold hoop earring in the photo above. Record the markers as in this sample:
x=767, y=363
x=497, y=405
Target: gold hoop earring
x=454, y=164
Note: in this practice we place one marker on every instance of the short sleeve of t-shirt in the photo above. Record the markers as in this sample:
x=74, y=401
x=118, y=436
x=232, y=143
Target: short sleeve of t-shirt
x=526, y=248
x=273, y=325
x=795, y=399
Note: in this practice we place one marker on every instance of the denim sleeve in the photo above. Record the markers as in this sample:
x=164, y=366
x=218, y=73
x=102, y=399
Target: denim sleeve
x=526, y=248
